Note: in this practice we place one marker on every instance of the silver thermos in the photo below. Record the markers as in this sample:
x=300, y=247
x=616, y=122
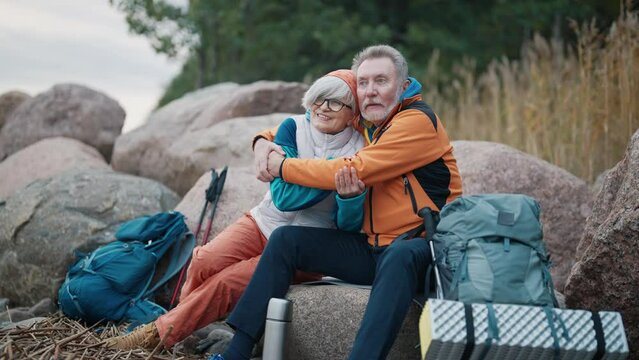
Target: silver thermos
x=278, y=320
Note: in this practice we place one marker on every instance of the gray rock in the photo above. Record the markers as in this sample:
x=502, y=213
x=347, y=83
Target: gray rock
x=44, y=159
x=42, y=224
x=326, y=319
x=598, y=184
x=145, y=150
x=606, y=276
x=10, y=101
x=19, y=316
x=561, y=299
x=67, y=110
x=209, y=340
x=242, y=191
x=488, y=167
x=16, y=315
x=217, y=339
x=24, y=324
x=225, y=143
x=44, y=308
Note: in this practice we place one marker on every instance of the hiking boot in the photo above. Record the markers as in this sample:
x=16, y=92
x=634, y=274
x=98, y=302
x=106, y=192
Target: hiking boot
x=144, y=337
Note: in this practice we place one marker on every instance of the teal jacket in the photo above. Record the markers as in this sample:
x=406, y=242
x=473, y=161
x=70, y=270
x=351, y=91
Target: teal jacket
x=348, y=213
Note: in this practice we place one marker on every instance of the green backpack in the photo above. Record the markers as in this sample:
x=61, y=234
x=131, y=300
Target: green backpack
x=489, y=249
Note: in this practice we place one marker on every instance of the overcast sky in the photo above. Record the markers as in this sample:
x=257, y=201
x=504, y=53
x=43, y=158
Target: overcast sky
x=45, y=42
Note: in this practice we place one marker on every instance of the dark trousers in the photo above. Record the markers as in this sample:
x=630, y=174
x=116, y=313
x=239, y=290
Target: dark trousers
x=395, y=272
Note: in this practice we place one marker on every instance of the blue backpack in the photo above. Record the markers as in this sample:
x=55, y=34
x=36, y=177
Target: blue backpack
x=115, y=282
x=490, y=249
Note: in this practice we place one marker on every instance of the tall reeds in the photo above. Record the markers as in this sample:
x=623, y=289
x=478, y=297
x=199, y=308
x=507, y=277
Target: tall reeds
x=575, y=107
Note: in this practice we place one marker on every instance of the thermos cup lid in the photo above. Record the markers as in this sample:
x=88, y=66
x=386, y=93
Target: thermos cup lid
x=279, y=309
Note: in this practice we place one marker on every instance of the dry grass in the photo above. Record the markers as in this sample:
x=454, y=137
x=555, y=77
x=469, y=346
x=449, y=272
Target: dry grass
x=58, y=337
x=574, y=107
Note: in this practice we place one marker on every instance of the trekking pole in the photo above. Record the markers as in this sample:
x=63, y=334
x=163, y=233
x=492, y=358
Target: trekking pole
x=212, y=184
x=214, y=197
x=429, y=225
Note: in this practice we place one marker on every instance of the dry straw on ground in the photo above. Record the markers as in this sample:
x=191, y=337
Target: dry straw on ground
x=574, y=107
x=58, y=337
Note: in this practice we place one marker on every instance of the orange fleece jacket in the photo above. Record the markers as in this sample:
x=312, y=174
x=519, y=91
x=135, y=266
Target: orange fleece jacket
x=407, y=141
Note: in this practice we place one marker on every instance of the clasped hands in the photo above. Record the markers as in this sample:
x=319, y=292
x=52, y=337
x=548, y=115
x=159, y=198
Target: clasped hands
x=268, y=160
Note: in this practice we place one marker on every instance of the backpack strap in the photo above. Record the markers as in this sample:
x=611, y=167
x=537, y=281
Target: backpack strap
x=553, y=332
x=493, y=330
x=143, y=292
x=143, y=310
x=176, y=239
x=461, y=271
x=179, y=254
x=411, y=234
x=74, y=299
x=547, y=277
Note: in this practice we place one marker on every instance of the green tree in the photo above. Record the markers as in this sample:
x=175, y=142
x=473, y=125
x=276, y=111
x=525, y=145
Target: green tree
x=250, y=40
x=298, y=40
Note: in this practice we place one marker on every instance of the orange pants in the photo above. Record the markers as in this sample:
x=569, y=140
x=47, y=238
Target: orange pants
x=216, y=278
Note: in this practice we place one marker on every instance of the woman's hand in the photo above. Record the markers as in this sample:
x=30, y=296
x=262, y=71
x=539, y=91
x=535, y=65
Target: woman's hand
x=261, y=151
x=347, y=183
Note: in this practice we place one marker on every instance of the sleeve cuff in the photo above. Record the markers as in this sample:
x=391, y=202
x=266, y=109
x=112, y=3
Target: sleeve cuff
x=342, y=200
x=282, y=169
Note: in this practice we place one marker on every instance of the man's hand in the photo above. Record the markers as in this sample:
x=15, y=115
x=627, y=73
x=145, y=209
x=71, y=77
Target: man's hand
x=261, y=151
x=274, y=164
x=347, y=183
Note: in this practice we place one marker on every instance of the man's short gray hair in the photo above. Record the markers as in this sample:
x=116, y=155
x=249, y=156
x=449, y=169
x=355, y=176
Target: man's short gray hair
x=329, y=87
x=383, y=51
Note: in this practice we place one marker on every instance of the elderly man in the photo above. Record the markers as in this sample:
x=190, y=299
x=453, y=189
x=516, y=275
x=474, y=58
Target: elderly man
x=407, y=165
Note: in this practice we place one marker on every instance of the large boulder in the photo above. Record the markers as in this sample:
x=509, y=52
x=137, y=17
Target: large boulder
x=488, y=167
x=44, y=159
x=42, y=224
x=326, y=319
x=68, y=110
x=242, y=191
x=9, y=101
x=606, y=276
x=227, y=142
x=150, y=149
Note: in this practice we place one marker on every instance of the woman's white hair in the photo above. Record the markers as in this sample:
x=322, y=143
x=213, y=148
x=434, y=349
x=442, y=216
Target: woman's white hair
x=329, y=87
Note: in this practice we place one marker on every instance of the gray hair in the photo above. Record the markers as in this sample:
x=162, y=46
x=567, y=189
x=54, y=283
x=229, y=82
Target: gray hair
x=329, y=87
x=383, y=51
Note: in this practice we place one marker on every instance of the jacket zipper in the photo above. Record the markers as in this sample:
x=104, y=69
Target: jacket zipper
x=370, y=212
x=408, y=189
x=370, y=195
x=381, y=132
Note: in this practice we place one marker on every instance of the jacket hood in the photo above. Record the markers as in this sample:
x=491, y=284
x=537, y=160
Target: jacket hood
x=413, y=89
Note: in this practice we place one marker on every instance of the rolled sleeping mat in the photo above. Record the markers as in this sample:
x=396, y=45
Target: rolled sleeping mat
x=508, y=332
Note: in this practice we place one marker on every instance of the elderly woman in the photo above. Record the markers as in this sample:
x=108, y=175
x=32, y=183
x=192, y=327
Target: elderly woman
x=220, y=270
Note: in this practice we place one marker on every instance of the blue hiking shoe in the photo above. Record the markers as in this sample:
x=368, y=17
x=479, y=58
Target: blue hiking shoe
x=216, y=357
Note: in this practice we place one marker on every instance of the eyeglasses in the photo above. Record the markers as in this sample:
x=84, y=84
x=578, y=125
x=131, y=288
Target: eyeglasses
x=333, y=105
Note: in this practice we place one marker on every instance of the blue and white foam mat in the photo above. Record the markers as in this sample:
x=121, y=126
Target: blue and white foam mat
x=516, y=332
